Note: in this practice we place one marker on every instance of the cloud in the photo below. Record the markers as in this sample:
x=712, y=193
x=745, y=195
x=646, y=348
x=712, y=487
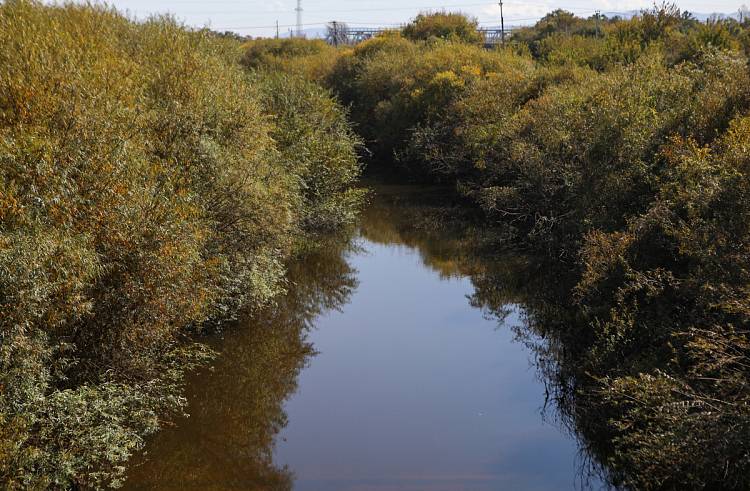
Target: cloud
x=278, y=6
x=517, y=12
x=525, y=13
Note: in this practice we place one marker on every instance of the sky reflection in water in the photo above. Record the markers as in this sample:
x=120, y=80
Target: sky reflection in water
x=412, y=387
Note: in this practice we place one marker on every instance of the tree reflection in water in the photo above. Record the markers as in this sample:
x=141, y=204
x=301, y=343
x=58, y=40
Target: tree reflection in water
x=228, y=444
x=454, y=242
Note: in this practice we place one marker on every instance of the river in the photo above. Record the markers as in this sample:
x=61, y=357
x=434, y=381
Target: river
x=386, y=368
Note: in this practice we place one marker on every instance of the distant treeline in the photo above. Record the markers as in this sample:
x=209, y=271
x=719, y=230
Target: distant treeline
x=150, y=188
x=619, y=151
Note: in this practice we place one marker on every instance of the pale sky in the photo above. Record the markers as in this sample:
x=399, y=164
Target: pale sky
x=258, y=17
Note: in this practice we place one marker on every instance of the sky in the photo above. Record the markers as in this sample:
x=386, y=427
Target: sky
x=258, y=17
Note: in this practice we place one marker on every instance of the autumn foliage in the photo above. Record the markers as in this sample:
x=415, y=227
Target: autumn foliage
x=146, y=191
x=616, y=150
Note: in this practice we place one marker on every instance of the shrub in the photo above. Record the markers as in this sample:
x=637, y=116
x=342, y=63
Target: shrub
x=319, y=148
x=395, y=86
x=312, y=59
x=443, y=25
x=670, y=292
x=145, y=190
x=582, y=157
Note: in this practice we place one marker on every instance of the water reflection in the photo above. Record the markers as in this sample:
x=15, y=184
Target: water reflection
x=420, y=383
x=236, y=407
x=455, y=243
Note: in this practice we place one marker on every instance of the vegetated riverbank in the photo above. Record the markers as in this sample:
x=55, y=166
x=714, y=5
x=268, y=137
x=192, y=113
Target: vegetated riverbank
x=150, y=189
x=422, y=386
x=617, y=150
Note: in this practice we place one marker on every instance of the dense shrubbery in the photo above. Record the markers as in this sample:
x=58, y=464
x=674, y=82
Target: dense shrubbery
x=617, y=148
x=312, y=59
x=397, y=88
x=315, y=139
x=148, y=185
x=392, y=84
x=144, y=193
x=443, y=25
x=669, y=292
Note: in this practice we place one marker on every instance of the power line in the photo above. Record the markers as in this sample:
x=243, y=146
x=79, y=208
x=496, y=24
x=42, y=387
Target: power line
x=413, y=7
x=308, y=24
x=300, y=24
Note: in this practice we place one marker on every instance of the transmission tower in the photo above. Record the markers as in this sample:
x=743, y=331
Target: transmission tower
x=299, y=18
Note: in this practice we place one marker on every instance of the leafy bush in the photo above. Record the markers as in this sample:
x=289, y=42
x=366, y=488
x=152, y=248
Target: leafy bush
x=144, y=191
x=673, y=341
x=617, y=151
x=577, y=157
x=317, y=143
x=312, y=59
x=395, y=87
x=443, y=25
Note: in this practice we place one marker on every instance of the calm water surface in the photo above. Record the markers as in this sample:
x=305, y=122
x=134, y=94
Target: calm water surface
x=377, y=372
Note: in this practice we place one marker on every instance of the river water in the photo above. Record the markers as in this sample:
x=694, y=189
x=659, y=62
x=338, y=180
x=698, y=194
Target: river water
x=388, y=367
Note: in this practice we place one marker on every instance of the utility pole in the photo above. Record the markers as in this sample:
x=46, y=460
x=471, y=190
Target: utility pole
x=502, y=23
x=299, y=18
x=335, y=34
x=277, y=29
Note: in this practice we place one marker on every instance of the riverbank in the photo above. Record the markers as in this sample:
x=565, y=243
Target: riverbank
x=150, y=189
x=156, y=181
x=618, y=155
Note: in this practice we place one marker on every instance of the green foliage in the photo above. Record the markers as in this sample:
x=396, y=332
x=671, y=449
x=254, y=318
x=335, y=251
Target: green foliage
x=147, y=188
x=316, y=141
x=583, y=156
x=312, y=59
x=395, y=87
x=604, y=43
x=713, y=34
x=677, y=277
x=558, y=24
x=443, y=25
x=616, y=149
x=261, y=51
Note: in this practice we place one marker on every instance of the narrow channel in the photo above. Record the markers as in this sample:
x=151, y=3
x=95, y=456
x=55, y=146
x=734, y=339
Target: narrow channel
x=381, y=370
